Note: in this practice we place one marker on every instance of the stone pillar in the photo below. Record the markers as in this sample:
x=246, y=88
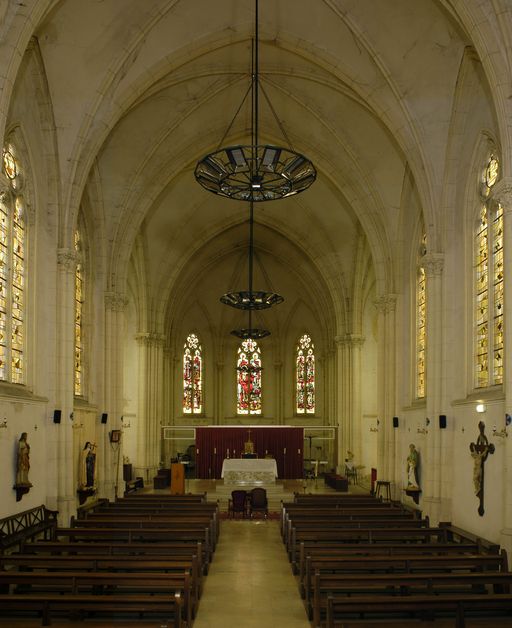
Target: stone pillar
x=168, y=395
x=149, y=433
x=219, y=413
x=111, y=457
x=386, y=385
x=432, y=459
x=279, y=396
x=502, y=193
x=66, y=472
x=339, y=394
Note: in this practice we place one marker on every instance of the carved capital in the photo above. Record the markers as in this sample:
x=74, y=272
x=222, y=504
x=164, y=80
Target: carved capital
x=502, y=193
x=350, y=340
x=433, y=263
x=385, y=303
x=66, y=259
x=148, y=339
x=115, y=301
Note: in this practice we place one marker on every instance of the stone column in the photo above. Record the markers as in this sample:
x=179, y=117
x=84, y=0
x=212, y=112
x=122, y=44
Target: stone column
x=149, y=433
x=168, y=395
x=279, y=397
x=111, y=457
x=502, y=193
x=66, y=473
x=431, y=460
x=219, y=394
x=339, y=394
x=386, y=385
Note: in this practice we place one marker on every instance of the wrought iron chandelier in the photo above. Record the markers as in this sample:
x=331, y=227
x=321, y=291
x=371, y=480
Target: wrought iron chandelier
x=255, y=172
x=251, y=300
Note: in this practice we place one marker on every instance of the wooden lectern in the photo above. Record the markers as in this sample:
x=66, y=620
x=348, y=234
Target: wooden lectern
x=177, y=478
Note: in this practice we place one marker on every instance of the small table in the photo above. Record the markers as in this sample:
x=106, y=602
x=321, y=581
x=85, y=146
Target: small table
x=385, y=486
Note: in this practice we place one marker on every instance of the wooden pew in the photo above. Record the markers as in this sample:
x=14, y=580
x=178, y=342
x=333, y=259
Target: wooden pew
x=363, y=535
x=343, y=610
x=28, y=584
x=332, y=576
x=50, y=605
x=188, y=497
x=137, y=535
x=29, y=563
x=169, y=551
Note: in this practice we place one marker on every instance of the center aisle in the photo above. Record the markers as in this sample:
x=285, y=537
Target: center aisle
x=250, y=583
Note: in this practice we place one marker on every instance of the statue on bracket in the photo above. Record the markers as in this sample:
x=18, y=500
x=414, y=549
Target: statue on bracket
x=23, y=485
x=413, y=488
x=480, y=451
x=87, y=472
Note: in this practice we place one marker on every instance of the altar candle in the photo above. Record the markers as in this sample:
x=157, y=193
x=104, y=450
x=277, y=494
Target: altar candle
x=228, y=453
x=215, y=450
x=284, y=451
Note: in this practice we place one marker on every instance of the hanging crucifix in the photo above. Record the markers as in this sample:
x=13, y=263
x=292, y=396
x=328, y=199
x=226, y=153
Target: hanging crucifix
x=479, y=452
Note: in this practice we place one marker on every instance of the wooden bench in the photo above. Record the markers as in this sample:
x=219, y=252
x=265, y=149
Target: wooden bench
x=169, y=551
x=168, y=607
x=133, y=485
x=188, y=497
x=362, y=573
x=27, y=584
x=138, y=535
x=370, y=609
x=27, y=525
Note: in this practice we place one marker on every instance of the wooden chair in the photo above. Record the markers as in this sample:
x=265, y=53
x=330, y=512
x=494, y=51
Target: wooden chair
x=258, y=501
x=237, y=503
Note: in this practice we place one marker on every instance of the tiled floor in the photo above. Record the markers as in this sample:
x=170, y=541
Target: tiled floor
x=250, y=583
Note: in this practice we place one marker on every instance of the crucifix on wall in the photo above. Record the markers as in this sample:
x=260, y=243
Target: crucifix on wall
x=480, y=450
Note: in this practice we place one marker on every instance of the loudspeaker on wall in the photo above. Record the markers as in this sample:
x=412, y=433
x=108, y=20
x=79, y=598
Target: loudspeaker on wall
x=395, y=421
x=104, y=417
x=442, y=421
x=56, y=416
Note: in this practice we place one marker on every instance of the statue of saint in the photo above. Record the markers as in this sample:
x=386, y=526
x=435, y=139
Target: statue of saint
x=23, y=462
x=479, y=452
x=87, y=469
x=412, y=468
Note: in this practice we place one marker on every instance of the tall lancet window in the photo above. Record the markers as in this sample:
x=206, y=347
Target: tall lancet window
x=79, y=310
x=249, y=378
x=305, y=376
x=421, y=322
x=12, y=270
x=488, y=275
x=192, y=376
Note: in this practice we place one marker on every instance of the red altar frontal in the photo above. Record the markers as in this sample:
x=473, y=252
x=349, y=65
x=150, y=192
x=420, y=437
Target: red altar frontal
x=285, y=444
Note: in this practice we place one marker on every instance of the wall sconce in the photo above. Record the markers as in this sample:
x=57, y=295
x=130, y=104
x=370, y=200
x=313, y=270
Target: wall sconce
x=480, y=407
x=126, y=423
x=4, y=423
x=501, y=434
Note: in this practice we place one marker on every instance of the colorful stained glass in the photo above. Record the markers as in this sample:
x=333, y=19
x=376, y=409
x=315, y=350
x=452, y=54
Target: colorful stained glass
x=249, y=378
x=305, y=376
x=79, y=306
x=482, y=300
x=192, y=376
x=421, y=331
x=12, y=273
x=498, y=302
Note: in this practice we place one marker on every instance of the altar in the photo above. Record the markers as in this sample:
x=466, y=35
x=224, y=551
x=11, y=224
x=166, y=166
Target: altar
x=249, y=471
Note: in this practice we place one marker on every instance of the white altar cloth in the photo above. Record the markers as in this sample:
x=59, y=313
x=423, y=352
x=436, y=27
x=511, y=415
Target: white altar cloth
x=249, y=470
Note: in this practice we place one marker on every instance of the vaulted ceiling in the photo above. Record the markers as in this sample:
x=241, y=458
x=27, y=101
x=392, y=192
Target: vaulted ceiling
x=142, y=90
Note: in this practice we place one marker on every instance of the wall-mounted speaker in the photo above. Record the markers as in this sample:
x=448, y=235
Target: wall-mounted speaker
x=442, y=421
x=56, y=416
x=104, y=418
x=395, y=421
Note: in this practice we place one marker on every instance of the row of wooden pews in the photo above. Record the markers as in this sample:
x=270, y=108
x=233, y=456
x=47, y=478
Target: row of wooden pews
x=143, y=554
x=361, y=560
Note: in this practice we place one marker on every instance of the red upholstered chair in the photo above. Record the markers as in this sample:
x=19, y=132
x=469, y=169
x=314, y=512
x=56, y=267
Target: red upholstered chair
x=258, y=501
x=237, y=503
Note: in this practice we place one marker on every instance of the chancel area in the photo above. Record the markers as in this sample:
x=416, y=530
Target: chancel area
x=270, y=242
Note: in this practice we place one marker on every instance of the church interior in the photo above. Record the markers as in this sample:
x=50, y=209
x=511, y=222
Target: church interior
x=364, y=271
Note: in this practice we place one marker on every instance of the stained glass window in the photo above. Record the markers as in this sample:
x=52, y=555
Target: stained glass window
x=421, y=324
x=79, y=307
x=192, y=376
x=305, y=376
x=489, y=288
x=249, y=378
x=12, y=271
